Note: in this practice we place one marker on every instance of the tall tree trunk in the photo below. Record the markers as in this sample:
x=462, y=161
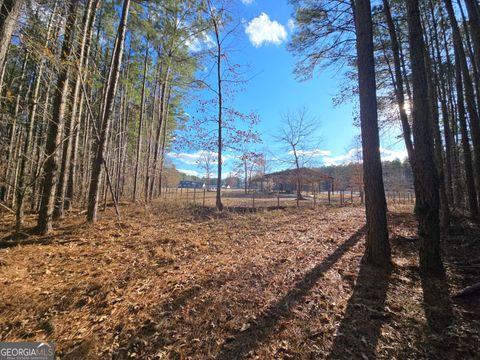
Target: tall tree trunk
x=140, y=124
x=105, y=118
x=377, y=250
x=467, y=156
x=469, y=92
x=218, y=199
x=9, y=12
x=399, y=91
x=440, y=82
x=161, y=124
x=79, y=97
x=21, y=188
x=427, y=206
x=13, y=133
x=164, y=141
x=150, y=133
x=437, y=137
x=473, y=9
x=70, y=130
x=55, y=127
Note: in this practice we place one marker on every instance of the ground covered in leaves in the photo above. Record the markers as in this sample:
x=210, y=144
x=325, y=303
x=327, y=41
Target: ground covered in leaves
x=171, y=283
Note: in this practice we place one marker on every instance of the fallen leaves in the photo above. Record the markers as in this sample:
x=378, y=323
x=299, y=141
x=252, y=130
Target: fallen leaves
x=179, y=284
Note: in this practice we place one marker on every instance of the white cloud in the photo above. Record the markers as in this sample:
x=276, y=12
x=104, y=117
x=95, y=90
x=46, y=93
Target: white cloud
x=201, y=42
x=263, y=30
x=350, y=156
x=312, y=153
x=247, y=2
x=355, y=154
x=196, y=157
x=188, y=172
x=390, y=155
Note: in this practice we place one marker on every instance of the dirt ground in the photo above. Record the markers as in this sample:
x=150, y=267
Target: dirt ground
x=172, y=283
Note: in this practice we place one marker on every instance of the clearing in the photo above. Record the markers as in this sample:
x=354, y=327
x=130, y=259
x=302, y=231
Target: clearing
x=174, y=282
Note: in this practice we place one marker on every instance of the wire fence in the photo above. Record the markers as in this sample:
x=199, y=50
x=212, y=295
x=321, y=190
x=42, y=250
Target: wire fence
x=241, y=199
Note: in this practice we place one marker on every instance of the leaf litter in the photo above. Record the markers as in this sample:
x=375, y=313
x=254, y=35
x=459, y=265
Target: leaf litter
x=178, y=283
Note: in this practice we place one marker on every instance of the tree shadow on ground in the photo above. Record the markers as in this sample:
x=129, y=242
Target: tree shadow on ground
x=245, y=341
x=437, y=303
x=440, y=316
x=357, y=336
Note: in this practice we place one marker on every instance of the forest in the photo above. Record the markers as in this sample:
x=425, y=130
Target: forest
x=269, y=245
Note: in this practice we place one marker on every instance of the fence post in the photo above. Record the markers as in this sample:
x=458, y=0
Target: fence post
x=203, y=202
x=253, y=200
x=329, y=200
x=278, y=200
x=187, y=196
x=314, y=198
x=194, y=195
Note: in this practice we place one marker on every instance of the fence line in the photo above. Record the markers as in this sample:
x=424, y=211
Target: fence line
x=233, y=198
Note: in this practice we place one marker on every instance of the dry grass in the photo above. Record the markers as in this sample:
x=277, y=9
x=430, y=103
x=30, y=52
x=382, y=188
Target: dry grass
x=174, y=283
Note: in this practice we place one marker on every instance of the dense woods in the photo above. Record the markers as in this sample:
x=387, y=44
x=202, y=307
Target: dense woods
x=94, y=95
x=88, y=105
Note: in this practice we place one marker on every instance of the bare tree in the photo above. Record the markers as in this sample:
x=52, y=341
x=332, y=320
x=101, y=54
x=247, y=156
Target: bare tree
x=298, y=140
x=248, y=163
x=206, y=161
x=356, y=181
x=217, y=18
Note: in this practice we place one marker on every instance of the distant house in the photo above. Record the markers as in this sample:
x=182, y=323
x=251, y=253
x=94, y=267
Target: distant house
x=186, y=184
x=286, y=180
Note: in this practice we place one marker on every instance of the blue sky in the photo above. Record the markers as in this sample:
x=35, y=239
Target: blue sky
x=261, y=44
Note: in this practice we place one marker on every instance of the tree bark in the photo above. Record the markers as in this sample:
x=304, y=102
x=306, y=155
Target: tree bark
x=13, y=133
x=70, y=130
x=140, y=125
x=427, y=207
x=438, y=145
x=164, y=141
x=399, y=91
x=218, y=199
x=467, y=155
x=21, y=188
x=161, y=124
x=377, y=250
x=114, y=72
x=55, y=128
x=79, y=100
x=9, y=12
x=469, y=92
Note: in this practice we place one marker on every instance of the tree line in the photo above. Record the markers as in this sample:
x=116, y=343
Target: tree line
x=92, y=93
